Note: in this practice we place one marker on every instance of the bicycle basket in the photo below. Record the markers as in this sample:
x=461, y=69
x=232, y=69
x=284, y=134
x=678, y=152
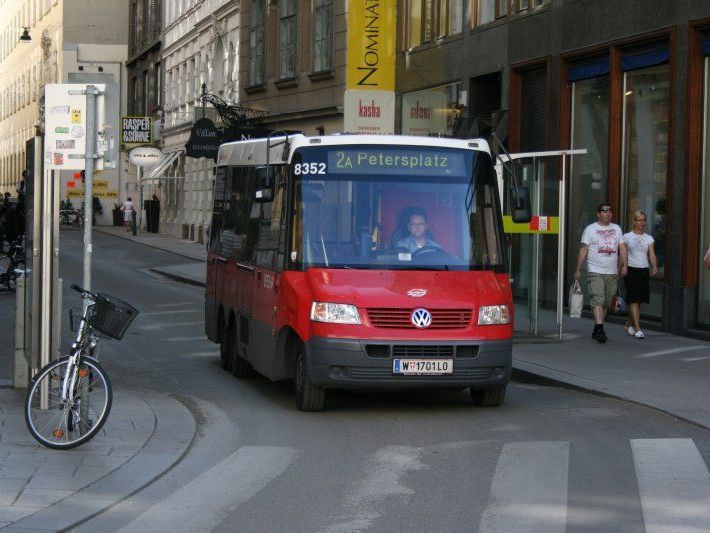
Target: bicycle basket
x=111, y=316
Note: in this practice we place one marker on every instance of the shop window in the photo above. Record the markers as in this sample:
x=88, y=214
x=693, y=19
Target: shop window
x=431, y=112
x=645, y=151
x=704, y=278
x=589, y=172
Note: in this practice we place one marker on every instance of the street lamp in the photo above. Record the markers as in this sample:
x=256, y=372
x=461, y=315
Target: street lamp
x=25, y=37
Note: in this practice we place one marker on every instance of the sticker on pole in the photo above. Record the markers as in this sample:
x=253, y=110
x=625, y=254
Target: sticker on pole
x=65, y=126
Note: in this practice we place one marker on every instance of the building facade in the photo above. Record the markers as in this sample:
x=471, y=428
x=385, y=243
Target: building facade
x=200, y=46
x=69, y=42
x=292, y=63
x=625, y=80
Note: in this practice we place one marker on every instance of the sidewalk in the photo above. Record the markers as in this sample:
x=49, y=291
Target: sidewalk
x=145, y=435
x=51, y=490
x=663, y=371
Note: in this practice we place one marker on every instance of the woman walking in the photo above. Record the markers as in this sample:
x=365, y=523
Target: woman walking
x=642, y=261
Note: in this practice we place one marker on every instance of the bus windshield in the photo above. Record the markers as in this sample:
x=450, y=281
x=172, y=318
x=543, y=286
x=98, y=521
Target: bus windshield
x=395, y=208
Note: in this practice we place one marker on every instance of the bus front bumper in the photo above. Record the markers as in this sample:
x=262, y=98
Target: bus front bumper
x=352, y=363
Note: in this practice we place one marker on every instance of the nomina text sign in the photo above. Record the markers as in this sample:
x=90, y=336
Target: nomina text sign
x=372, y=32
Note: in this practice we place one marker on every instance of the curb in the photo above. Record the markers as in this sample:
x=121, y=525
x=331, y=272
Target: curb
x=178, y=277
x=128, y=238
x=525, y=376
x=163, y=450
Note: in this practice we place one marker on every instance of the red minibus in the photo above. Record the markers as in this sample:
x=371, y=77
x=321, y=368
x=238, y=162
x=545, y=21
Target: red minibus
x=359, y=261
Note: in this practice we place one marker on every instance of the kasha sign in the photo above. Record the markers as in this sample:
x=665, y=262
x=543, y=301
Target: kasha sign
x=369, y=112
x=369, y=95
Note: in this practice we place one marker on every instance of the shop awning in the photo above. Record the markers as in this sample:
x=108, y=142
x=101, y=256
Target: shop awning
x=648, y=58
x=163, y=165
x=589, y=69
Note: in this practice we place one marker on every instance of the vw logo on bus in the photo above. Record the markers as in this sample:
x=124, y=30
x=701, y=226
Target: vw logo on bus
x=421, y=318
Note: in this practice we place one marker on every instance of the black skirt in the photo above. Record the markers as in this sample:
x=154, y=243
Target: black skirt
x=637, y=286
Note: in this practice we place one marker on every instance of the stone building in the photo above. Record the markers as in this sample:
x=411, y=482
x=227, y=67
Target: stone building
x=65, y=41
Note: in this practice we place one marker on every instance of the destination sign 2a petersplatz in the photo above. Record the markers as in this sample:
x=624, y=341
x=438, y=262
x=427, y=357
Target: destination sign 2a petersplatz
x=136, y=130
x=397, y=162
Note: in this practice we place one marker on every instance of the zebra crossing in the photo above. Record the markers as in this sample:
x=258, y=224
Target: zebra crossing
x=527, y=492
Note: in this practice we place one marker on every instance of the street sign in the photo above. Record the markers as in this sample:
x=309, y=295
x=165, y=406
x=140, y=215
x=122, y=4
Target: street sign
x=136, y=130
x=65, y=126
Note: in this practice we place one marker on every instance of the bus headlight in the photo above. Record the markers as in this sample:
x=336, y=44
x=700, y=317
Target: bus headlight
x=493, y=314
x=334, y=313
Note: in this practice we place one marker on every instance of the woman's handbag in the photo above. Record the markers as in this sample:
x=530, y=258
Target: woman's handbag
x=576, y=300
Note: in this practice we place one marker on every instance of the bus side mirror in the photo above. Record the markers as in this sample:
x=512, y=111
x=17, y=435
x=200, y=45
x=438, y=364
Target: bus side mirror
x=520, y=205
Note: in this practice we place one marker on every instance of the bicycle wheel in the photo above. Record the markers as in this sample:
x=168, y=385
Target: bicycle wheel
x=64, y=424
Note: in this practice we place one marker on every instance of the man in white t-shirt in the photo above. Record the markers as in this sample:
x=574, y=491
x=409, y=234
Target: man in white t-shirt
x=603, y=248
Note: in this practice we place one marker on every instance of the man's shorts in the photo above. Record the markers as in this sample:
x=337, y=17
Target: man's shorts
x=602, y=288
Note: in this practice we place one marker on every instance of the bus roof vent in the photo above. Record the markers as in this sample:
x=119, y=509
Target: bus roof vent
x=473, y=145
x=314, y=141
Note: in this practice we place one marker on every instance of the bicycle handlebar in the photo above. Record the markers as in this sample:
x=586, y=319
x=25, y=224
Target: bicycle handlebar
x=83, y=291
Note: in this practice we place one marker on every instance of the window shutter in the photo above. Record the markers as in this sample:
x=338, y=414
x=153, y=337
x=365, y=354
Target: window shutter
x=532, y=110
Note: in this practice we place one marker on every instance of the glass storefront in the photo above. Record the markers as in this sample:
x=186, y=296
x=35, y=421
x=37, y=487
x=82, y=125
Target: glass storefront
x=645, y=161
x=588, y=185
x=704, y=277
x=433, y=111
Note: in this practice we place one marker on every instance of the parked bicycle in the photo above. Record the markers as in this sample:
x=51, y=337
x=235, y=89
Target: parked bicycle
x=71, y=218
x=12, y=265
x=69, y=400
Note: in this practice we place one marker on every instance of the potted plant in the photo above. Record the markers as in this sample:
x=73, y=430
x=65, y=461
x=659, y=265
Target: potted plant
x=117, y=214
x=97, y=209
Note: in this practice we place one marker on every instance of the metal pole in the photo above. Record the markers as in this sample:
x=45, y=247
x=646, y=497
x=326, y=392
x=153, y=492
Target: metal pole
x=561, y=247
x=91, y=93
x=140, y=198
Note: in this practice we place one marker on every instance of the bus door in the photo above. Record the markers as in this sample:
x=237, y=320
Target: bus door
x=215, y=261
x=537, y=252
x=269, y=264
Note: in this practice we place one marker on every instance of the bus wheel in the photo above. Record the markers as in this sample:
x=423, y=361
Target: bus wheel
x=226, y=347
x=309, y=397
x=488, y=397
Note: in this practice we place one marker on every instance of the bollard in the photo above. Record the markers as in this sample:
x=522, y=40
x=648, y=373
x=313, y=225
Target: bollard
x=133, y=223
x=22, y=369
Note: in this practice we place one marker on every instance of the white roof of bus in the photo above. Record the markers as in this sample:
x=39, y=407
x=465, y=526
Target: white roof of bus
x=253, y=151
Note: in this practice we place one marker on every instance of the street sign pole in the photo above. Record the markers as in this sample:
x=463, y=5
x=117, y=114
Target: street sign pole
x=91, y=93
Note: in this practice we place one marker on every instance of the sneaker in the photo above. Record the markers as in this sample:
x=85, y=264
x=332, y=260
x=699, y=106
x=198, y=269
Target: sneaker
x=639, y=335
x=601, y=336
x=630, y=331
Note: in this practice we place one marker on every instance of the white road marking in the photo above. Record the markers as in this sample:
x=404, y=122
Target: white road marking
x=669, y=351
x=383, y=479
x=205, y=501
x=529, y=489
x=674, y=485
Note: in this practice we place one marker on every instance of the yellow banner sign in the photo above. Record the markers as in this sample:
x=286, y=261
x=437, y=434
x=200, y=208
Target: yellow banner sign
x=372, y=44
x=101, y=193
x=539, y=224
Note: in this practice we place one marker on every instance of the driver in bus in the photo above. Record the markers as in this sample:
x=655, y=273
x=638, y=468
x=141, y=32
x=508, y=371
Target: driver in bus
x=418, y=227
